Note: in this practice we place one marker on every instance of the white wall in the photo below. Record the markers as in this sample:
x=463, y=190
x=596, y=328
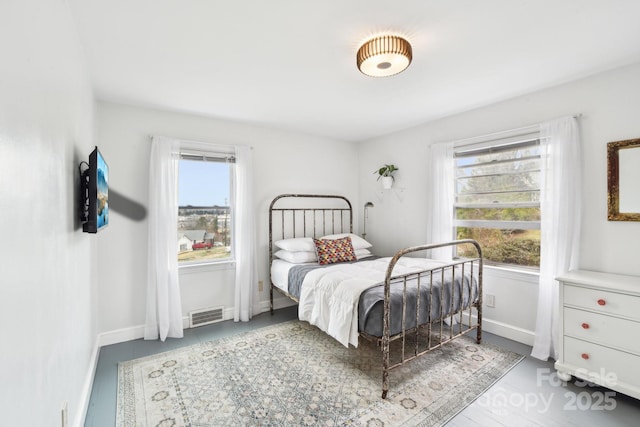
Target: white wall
x=609, y=104
x=47, y=288
x=284, y=162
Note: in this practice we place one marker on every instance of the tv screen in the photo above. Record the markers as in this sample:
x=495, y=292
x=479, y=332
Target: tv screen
x=96, y=180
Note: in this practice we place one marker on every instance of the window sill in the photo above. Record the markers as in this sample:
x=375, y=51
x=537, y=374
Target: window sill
x=204, y=267
x=521, y=274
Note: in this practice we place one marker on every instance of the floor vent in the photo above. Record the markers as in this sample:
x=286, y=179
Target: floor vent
x=205, y=316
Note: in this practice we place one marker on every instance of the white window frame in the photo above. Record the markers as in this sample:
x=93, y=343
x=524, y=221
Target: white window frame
x=198, y=152
x=486, y=145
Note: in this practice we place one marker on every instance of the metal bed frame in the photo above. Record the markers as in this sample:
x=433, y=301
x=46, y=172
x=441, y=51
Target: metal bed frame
x=298, y=220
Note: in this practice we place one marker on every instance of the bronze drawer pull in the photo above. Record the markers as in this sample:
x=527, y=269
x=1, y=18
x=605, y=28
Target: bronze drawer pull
x=585, y=356
x=585, y=326
x=601, y=302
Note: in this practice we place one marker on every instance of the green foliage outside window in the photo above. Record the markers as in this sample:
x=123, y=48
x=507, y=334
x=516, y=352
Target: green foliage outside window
x=519, y=247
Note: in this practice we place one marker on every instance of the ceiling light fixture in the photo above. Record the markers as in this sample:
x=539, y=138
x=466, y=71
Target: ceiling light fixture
x=384, y=56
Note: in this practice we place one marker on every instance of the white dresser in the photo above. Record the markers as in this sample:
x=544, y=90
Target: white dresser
x=600, y=330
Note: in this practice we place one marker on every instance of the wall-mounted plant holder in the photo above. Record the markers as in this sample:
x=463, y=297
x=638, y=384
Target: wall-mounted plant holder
x=385, y=174
x=387, y=182
x=398, y=192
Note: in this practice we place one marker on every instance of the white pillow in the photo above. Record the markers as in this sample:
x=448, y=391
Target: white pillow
x=357, y=241
x=299, y=257
x=363, y=253
x=297, y=244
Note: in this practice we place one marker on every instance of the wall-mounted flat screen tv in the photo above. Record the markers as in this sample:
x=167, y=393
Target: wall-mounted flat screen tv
x=96, y=192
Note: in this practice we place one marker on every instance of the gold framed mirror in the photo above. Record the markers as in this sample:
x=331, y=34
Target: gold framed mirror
x=623, y=174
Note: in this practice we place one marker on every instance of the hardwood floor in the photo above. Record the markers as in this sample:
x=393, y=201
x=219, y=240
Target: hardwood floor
x=528, y=395
x=531, y=394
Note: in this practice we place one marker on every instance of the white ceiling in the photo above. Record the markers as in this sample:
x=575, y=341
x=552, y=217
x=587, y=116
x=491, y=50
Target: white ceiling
x=290, y=64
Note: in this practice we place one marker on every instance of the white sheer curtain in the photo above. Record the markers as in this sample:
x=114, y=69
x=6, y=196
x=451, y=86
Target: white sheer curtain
x=164, y=308
x=440, y=196
x=244, y=237
x=560, y=206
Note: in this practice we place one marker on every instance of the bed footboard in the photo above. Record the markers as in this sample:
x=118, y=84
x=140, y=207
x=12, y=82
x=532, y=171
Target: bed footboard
x=308, y=215
x=455, y=320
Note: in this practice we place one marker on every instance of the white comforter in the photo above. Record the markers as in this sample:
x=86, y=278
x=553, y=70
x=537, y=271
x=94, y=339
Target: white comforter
x=329, y=296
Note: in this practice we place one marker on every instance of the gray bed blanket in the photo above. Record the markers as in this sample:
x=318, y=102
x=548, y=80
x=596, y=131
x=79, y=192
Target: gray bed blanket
x=436, y=300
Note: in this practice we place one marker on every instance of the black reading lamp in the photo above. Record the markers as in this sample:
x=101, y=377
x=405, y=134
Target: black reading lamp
x=364, y=223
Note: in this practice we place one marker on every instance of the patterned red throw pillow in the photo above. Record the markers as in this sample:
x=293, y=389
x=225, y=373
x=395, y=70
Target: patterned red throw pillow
x=336, y=250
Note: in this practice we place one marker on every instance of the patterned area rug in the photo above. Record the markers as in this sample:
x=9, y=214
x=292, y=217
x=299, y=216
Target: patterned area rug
x=294, y=374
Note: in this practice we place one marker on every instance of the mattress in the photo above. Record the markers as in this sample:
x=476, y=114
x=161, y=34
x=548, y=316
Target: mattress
x=280, y=273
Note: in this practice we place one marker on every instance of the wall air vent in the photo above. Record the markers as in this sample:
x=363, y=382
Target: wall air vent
x=206, y=316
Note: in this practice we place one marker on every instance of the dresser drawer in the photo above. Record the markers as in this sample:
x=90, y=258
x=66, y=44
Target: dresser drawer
x=617, y=366
x=603, y=301
x=602, y=329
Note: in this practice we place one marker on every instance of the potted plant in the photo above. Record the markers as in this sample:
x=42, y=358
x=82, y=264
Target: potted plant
x=386, y=173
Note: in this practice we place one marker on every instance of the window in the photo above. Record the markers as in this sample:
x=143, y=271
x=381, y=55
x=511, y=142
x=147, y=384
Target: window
x=497, y=199
x=204, y=211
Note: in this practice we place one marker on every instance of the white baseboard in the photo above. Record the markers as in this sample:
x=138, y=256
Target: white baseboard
x=137, y=332
x=511, y=332
x=504, y=330
x=278, y=303
x=121, y=335
x=83, y=404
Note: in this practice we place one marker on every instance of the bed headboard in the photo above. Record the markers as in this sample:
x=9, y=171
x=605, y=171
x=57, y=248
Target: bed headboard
x=308, y=215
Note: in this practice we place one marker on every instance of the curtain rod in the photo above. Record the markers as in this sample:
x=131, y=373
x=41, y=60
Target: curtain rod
x=509, y=132
x=188, y=141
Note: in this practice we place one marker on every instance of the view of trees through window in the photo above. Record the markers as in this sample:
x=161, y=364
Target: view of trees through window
x=497, y=201
x=204, y=214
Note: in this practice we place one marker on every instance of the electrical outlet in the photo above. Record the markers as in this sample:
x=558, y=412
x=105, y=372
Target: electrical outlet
x=64, y=416
x=490, y=301
x=260, y=285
